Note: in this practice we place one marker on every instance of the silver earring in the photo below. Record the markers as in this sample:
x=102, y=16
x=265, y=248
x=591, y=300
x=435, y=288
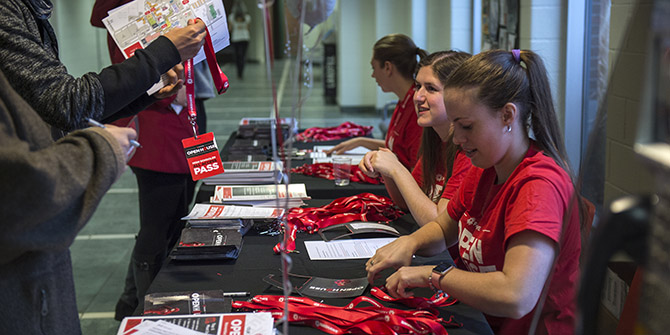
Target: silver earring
x=509, y=128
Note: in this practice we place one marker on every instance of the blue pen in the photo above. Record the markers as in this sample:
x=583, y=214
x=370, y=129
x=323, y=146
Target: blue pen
x=95, y=123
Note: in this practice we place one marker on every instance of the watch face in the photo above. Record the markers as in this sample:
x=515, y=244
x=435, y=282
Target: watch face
x=441, y=268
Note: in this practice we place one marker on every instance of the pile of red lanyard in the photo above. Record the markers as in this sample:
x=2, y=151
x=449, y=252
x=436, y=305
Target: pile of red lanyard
x=439, y=299
x=325, y=170
x=351, y=319
x=362, y=207
x=345, y=130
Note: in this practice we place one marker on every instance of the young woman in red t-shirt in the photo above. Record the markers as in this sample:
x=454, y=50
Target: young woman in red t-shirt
x=426, y=190
x=393, y=65
x=515, y=217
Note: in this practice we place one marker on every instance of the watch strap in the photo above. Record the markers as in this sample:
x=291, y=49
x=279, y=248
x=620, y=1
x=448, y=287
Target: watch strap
x=434, y=280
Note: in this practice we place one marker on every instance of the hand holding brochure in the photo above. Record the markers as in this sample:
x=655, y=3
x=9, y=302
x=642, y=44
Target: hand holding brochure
x=136, y=24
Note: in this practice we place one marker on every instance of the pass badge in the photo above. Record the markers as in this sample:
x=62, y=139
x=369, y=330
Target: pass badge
x=203, y=156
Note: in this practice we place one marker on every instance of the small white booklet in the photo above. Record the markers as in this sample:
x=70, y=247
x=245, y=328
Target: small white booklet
x=136, y=24
x=259, y=192
x=214, y=212
x=345, y=249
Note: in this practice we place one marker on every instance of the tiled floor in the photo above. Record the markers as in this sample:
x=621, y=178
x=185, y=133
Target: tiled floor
x=101, y=251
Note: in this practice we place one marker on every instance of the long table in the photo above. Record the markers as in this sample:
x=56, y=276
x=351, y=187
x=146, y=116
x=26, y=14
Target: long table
x=256, y=259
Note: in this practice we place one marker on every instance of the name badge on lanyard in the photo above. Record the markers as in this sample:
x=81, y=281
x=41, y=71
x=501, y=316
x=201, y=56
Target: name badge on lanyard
x=202, y=153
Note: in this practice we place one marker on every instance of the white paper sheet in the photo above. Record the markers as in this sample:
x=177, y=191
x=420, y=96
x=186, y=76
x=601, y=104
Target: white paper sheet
x=161, y=327
x=345, y=249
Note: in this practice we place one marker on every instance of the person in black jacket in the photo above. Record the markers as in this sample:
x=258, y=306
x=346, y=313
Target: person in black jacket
x=29, y=60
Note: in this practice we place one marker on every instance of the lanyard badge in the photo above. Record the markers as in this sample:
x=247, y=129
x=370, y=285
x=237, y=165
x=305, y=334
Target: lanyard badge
x=203, y=156
x=202, y=153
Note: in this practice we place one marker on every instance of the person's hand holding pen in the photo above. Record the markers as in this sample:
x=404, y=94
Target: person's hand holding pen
x=124, y=135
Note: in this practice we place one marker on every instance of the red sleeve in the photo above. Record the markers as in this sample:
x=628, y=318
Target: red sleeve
x=536, y=206
x=404, y=134
x=100, y=9
x=462, y=165
x=406, y=146
x=417, y=172
x=462, y=198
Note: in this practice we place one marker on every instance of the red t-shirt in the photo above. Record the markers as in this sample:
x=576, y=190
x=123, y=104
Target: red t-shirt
x=404, y=134
x=461, y=166
x=535, y=197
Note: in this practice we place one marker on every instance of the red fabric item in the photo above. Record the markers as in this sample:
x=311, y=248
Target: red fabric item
x=351, y=319
x=160, y=133
x=404, y=134
x=345, y=130
x=461, y=167
x=362, y=207
x=536, y=197
x=325, y=170
x=100, y=9
x=439, y=299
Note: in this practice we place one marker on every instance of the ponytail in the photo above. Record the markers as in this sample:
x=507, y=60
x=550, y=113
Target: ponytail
x=542, y=115
x=401, y=51
x=501, y=78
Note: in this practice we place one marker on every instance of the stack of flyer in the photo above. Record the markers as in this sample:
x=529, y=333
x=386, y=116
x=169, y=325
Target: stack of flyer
x=241, y=226
x=206, y=213
x=289, y=121
x=247, y=173
x=220, y=324
x=215, y=231
x=198, y=243
x=262, y=128
x=272, y=196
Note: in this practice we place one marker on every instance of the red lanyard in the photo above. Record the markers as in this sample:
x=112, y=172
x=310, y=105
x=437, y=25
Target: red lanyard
x=220, y=79
x=439, y=299
x=375, y=319
x=345, y=130
x=325, y=170
x=362, y=207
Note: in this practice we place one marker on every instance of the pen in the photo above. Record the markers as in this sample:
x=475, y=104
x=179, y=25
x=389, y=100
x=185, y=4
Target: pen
x=236, y=294
x=95, y=123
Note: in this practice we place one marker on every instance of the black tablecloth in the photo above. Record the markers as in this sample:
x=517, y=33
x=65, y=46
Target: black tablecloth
x=257, y=260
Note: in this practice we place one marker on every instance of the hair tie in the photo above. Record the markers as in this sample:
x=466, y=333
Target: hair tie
x=517, y=55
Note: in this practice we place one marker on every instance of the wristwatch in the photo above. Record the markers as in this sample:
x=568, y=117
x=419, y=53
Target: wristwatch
x=437, y=273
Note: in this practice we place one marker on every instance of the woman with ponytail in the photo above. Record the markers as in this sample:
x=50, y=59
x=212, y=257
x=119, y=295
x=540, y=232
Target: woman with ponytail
x=394, y=61
x=515, y=217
